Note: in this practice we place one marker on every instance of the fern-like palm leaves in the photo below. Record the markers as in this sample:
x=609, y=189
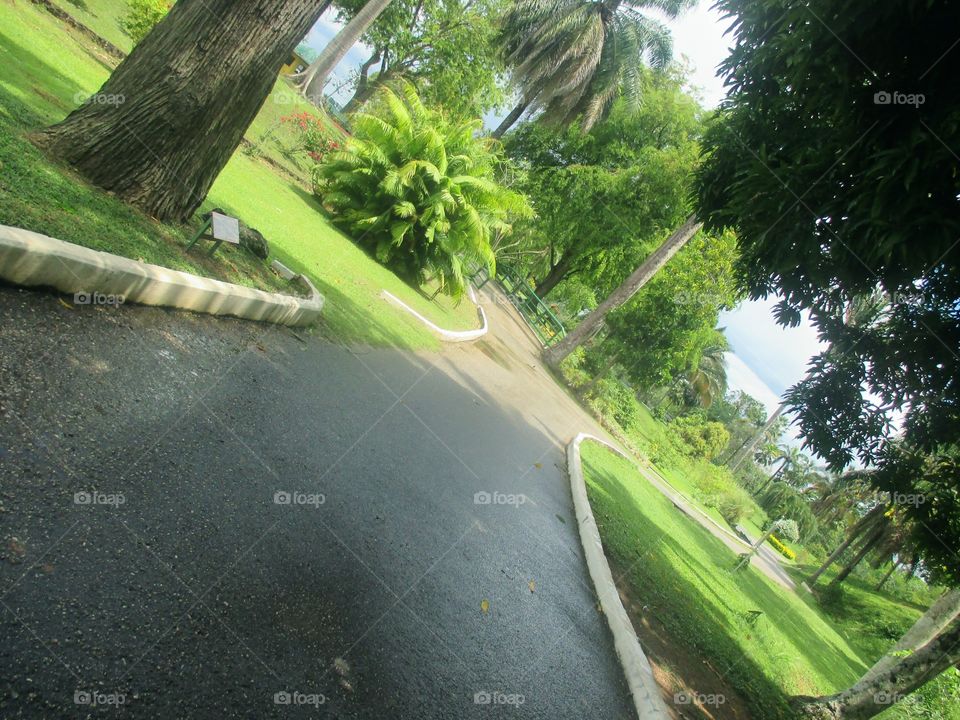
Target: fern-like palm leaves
x=418, y=192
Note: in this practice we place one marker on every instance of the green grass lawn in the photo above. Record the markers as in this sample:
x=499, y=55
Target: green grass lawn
x=101, y=16
x=800, y=645
x=683, y=574
x=46, y=65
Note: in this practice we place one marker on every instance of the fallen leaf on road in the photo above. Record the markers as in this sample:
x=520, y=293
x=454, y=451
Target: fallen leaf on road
x=484, y=606
x=538, y=465
x=532, y=585
x=67, y=305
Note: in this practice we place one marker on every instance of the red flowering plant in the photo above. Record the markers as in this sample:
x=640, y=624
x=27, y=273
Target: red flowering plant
x=313, y=136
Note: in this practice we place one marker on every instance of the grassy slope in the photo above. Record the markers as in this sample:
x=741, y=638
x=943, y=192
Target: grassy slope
x=40, y=196
x=683, y=574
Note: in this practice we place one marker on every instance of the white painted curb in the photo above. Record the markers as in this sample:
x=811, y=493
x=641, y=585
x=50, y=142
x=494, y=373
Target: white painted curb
x=643, y=687
x=29, y=258
x=446, y=335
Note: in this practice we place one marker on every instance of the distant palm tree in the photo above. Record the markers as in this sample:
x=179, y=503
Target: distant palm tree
x=571, y=58
x=707, y=381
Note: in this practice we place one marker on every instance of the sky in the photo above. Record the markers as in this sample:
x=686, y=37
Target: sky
x=766, y=358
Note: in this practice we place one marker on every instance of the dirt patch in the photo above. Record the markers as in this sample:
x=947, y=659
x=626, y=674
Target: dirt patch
x=691, y=687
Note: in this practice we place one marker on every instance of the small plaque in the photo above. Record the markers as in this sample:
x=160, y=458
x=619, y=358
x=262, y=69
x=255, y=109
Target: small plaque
x=225, y=228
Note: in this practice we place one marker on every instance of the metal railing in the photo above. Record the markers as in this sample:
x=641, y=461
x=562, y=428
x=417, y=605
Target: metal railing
x=535, y=311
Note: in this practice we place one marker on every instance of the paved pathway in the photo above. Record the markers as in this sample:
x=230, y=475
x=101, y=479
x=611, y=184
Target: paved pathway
x=200, y=596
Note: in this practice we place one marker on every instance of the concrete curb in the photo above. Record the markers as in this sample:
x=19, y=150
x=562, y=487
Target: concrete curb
x=445, y=335
x=644, y=689
x=29, y=258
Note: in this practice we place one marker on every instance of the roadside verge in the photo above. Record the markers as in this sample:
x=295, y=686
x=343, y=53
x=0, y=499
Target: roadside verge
x=32, y=259
x=445, y=335
x=643, y=687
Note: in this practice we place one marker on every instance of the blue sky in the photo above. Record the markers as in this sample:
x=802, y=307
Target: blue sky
x=766, y=358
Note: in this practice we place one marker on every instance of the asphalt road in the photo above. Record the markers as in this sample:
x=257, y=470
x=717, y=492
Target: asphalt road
x=149, y=561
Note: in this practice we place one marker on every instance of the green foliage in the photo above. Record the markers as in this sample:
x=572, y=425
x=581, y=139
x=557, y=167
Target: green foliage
x=666, y=330
x=734, y=505
x=809, y=112
x=447, y=48
x=781, y=548
x=782, y=500
x=418, y=191
x=613, y=399
x=698, y=437
x=606, y=198
x=142, y=15
x=572, y=58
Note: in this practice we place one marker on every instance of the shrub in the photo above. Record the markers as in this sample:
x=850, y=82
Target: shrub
x=141, y=16
x=700, y=437
x=734, y=506
x=312, y=135
x=781, y=548
x=613, y=399
x=417, y=191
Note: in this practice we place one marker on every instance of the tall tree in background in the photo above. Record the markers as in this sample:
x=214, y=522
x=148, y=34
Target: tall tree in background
x=571, y=58
x=555, y=354
x=190, y=88
x=838, y=185
x=314, y=78
x=447, y=48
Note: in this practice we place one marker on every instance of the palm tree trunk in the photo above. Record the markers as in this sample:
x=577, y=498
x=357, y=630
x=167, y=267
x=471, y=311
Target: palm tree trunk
x=862, y=525
x=872, y=695
x=364, y=88
x=510, y=119
x=747, y=448
x=927, y=627
x=893, y=568
x=630, y=287
x=315, y=77
x=869, y=544
x=190, y=89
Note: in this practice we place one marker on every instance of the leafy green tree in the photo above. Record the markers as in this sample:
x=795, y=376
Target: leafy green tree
x=447, y=48
x=418, y=191
x=141, y=16
x=605, y=197
x=839, y=185
x=572, y=58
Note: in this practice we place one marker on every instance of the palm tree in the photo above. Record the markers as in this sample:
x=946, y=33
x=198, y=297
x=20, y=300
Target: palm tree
x=571, y=58
x=314, y=78
x=418, y=191
x=707, y=380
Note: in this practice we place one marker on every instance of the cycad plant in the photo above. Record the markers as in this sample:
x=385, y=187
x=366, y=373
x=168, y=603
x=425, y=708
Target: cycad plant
x=417, y=191
x=571, y=58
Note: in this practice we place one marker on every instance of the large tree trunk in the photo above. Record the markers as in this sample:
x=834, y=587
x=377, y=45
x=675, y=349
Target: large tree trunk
x=869, y=544
x=745, y=450
x=927, y=627
x=315, y=77
x=364, y=87
x=862, y=525
x=510, y=119
x=873, y=695
x=181, y=100
x=553, y=278
x=630, y=287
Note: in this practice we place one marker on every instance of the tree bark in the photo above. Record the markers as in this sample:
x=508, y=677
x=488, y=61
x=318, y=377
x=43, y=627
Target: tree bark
x=630, y=287
x=168, y=119
x=510, y=119
x=364, y=87
x=870, y=696
x=893, y=568
x=553, y=278
x=869, y=544
x=862, y=525
x=925, y=629
x=315, y=77
x=744, y=452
